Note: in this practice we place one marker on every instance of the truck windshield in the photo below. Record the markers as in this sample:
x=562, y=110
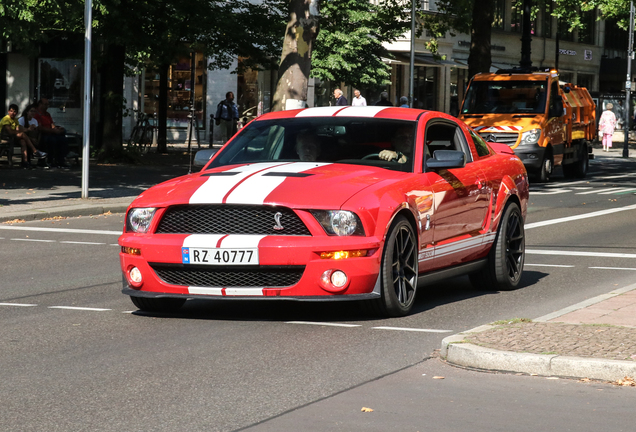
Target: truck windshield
x=484, y=97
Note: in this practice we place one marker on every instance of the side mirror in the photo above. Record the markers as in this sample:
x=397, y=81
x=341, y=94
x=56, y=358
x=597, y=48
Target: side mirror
x=203, y=156
x=445, y=159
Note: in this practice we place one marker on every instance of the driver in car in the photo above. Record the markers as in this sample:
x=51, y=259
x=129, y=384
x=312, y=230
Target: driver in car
x=402, y=142
x=307, y=147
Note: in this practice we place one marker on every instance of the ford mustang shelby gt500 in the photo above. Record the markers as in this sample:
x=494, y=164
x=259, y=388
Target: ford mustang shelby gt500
x=333, y=203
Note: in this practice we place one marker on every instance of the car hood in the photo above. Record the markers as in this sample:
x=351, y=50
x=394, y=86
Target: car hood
x=295, y=185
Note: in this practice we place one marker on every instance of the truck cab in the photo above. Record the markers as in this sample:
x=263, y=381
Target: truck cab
x=540, y=118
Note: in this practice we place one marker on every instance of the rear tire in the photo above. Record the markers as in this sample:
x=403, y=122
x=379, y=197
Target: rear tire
x=506, y=257
x=399, y=270
x=147, y=304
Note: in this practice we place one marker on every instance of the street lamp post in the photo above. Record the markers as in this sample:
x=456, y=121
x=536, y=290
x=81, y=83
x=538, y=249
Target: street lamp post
x=86, y=153
x=412, y=65
x=628, y=83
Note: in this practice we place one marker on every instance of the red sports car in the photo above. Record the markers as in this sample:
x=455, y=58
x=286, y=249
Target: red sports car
x=333, y=203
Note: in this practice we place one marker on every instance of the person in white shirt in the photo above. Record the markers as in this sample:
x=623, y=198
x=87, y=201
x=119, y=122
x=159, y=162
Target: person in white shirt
x=358, y=100
x=29, y=124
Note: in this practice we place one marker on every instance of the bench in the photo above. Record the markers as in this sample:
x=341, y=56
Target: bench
x=7, y=143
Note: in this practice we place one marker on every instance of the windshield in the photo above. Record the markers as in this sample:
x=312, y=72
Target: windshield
x=484, y=97
x=323, y=139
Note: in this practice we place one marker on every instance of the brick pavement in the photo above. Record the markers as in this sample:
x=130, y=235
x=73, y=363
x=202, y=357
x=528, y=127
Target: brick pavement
x=606, y=330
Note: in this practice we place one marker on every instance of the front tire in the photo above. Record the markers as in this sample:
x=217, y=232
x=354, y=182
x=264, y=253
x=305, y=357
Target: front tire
x=547, y=166
x=147, y=304
x=399, y=269
x=505, y=261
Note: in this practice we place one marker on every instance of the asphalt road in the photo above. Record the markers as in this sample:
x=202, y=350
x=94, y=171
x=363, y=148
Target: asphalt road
x=76, y=355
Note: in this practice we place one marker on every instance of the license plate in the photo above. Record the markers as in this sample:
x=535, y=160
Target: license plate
x=219, y=256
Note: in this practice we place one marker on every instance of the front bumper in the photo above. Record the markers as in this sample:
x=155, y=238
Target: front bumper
x=275, y=252
x=531, y=155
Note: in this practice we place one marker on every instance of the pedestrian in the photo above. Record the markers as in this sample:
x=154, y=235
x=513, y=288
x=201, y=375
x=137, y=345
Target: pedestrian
x=340, y=99
x=10, y=127
x=52, y=136
x=358, y=99
x=30, y=124
x=606, y=126
x=404, y=102
x=384, y=100
x=227, y=116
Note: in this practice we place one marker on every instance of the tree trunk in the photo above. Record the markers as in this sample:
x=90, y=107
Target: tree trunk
x=480, y=59
x=295, y=63
x=162, y=121
x=112, y=99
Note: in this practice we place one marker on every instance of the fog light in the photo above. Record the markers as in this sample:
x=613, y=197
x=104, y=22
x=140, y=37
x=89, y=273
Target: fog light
x=135, y=275
x=130, y=250
x=334, y=281
x=338, y=279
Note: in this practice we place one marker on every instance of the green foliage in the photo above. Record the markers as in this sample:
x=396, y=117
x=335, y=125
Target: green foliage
x=156, y=31
x=349, y=45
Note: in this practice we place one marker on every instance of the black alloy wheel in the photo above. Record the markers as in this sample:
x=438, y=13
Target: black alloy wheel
x=399, y=269
x=504, y=267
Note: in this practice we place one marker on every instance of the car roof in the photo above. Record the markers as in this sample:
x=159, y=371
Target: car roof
x=380, y=112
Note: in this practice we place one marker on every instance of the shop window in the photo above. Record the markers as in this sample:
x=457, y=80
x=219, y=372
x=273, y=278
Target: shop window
x=425, y=88
x=458, y=84
x=498, y=15
x=546, y=14
x=516, y=20
x=180, y=88
x=61, y=82
x=586, y=33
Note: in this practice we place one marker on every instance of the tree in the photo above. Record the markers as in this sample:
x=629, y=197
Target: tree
x=295, y=61
x=338, y=41
x=349, y=47
x=139, y=33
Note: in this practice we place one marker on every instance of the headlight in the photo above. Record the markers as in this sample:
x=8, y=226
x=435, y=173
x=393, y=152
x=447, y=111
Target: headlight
x=339, y=222
x=530, y=137
x=139, y=219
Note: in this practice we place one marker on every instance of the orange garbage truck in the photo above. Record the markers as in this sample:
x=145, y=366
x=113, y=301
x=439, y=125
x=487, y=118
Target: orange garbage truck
x=546, y=122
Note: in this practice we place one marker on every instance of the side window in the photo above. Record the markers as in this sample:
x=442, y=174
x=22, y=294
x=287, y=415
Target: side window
x=445, y=136
x=480, y=144
x=556, y=102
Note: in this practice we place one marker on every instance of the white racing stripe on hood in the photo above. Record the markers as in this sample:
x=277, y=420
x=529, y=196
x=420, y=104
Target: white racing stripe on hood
x=367, y=111
x=216, y=187
x=320, y=111
x=255, y=189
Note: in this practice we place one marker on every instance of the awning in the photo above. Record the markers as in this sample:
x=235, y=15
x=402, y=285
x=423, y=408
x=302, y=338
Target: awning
x=421, y=59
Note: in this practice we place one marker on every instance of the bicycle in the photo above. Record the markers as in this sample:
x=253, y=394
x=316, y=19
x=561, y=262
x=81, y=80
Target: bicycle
x=142, y=134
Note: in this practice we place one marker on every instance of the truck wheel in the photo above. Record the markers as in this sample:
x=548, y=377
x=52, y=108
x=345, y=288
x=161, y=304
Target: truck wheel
x=546, y=168
x=581, y=166
x=506, y=257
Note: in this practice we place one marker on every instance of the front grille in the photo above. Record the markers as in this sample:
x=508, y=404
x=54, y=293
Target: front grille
x=230, y=219
x=509, y=138
x=261, y=277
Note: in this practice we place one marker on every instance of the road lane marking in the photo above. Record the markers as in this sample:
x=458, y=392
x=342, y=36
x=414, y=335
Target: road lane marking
x=34, y=240
x=84, y=243
x=613, y=268
x=577, y=217
x=576, y=253
x=547, y=265
x=600, y=191
x=413, y=329
x=79, y=308
x=619, y=191
x=18, y=304
x=59, y=230
x=323, y=324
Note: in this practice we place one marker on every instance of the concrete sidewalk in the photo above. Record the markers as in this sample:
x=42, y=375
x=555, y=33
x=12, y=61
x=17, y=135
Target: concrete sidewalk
x=595, y=339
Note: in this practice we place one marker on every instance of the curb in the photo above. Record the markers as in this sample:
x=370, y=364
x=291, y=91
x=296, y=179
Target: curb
x=458, y=352
x=65, y=211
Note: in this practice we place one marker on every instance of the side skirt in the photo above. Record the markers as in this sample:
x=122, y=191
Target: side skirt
x=459, y=270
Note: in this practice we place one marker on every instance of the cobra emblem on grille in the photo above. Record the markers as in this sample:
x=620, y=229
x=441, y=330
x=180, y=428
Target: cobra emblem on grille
x=278, y=226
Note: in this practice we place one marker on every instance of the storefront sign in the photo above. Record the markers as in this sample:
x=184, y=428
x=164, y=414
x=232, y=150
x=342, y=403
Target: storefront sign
x=567, y=52
x=587, y=54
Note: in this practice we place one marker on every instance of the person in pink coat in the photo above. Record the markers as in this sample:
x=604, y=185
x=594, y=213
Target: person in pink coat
x=606, y=126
